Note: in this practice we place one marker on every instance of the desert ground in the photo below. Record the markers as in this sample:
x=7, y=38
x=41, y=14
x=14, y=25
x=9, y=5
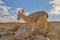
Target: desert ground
x=4, y=29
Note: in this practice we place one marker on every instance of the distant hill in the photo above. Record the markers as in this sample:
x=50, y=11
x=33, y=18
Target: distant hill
x=56, y=26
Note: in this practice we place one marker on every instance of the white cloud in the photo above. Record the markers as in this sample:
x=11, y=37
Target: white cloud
x=8, y=19
x=55, y=2
x=4, y=11
x=4, y=8
x=55, y=7
x=55, y=10
x=1, y=2
x=13, y=18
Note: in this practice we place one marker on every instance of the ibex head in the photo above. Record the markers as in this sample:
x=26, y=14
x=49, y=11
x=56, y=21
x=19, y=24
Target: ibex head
x=20, y=13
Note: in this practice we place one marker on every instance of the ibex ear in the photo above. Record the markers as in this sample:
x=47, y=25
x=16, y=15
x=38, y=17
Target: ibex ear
x=20, y=10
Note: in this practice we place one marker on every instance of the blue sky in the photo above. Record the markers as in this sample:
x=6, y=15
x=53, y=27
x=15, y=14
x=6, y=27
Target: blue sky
x=31, y=6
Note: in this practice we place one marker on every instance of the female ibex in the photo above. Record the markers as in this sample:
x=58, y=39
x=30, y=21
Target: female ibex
x=34, y=18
